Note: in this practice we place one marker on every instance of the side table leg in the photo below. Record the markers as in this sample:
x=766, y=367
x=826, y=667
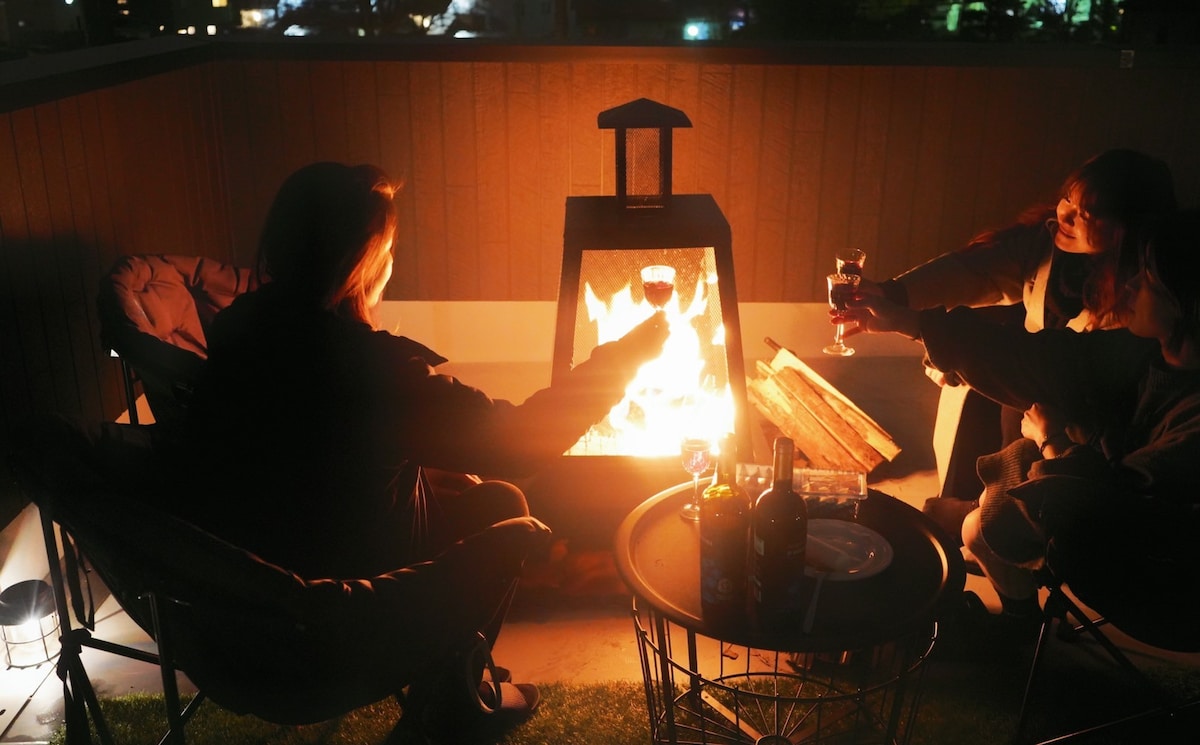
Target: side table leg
x=666, y=676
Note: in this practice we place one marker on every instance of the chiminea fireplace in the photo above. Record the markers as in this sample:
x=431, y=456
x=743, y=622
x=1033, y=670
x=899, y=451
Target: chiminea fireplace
x=698, y=386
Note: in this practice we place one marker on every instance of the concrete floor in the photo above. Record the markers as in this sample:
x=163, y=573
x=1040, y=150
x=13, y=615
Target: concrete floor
x=572, y=622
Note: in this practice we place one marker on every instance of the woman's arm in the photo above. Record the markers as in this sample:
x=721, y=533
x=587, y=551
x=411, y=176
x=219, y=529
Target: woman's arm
x=992, y=270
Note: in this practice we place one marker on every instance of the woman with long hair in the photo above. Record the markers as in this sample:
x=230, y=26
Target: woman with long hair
x=319, y=433
x=1060, y=265
x=1118, y=490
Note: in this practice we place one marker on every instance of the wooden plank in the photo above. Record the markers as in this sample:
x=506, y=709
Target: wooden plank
x=471, y=150
x=812, y=441
x=591, y=148
x=17, y=394
x=396, y=156
x=293, y=91
x=804, y=395
x=683, y=93
x=553, y=172
x=362, y=115
x=870, y=159
x=866, y=428
x=429, y=181
x=552, y=143
x=491, y=148
x=771, y=249
x=94, y=368
x=937, y=116
x=838, y=170
x=524, y=253
x=713, y=122
x=60, y=283
x=894, y=242
x=742, y=150
x=804, y=190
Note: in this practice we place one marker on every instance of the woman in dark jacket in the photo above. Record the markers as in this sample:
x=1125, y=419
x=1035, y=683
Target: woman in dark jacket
x=315, y=435
x=1123, y=504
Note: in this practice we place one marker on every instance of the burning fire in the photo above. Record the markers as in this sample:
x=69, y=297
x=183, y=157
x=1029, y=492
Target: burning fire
x=675, y=396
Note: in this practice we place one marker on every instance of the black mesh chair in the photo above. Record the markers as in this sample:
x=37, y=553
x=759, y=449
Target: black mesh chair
x=1133, y=575
x=253, y=637
x=155, y=311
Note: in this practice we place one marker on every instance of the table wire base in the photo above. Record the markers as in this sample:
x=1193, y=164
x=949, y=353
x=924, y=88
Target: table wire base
x=701, y=690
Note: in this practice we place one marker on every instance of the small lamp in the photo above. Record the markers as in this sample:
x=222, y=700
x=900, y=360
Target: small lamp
x=29, y=624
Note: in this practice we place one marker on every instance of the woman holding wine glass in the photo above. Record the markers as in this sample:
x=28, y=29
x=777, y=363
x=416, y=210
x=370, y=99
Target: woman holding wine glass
x=1060, y=265
x=1121, y=504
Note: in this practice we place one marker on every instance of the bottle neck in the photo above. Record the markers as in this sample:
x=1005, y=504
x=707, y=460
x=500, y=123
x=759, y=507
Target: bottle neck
x=781, y=466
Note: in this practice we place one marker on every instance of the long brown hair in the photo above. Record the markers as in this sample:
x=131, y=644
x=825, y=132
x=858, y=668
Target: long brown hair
x=1124, y=193
x=327, y=237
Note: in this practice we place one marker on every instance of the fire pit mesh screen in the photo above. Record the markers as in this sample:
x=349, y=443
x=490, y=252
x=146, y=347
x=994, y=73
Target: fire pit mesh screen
x=683, y=393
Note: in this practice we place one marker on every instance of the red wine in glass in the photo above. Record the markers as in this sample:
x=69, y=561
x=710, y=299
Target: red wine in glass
x=658, y=285
x=839, y=297
x=851, y=261
x=842, y=289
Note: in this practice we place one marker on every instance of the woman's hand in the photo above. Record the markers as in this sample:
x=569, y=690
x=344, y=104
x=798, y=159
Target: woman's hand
x=647, y=338
x=1046, y=427
x=875, y=314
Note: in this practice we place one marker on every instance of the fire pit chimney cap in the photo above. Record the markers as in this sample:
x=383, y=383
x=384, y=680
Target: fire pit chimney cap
x=642, y=113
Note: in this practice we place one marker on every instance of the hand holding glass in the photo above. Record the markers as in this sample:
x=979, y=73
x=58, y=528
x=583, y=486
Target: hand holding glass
x=842, y=289
x=696, y=454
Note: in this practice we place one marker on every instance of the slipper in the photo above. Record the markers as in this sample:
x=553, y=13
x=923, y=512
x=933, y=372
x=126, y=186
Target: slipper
x=509, y=700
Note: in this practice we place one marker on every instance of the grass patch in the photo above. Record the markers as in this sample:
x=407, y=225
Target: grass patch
x=961, y=703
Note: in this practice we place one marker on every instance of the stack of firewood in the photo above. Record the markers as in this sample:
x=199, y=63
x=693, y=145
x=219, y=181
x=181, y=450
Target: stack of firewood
x=829, y=430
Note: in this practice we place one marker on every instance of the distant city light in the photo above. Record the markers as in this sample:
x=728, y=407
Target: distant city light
x=699, y=31
x=211, y=29
x=70, y=2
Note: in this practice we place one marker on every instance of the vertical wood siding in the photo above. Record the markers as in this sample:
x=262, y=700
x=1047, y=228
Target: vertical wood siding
x=905, y=161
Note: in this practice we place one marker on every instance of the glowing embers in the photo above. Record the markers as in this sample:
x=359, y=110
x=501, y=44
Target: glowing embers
x=685, y=392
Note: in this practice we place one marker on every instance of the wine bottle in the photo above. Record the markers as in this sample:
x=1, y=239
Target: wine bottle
x=779, y=537
x=724, y=531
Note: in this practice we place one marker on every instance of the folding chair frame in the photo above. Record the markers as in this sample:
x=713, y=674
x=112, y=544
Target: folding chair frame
x=79, y=696
x=1061, y=608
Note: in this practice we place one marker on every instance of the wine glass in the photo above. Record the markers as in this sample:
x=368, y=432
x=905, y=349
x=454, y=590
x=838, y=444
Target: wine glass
x=696, y=454
x=851, y=261
x=842, y=289
x=658, y=284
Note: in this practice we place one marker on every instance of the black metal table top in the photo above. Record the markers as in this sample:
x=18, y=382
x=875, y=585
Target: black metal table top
x=658, y=556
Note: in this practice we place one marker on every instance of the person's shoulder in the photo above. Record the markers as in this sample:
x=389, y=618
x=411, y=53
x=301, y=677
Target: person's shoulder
x=401, y=349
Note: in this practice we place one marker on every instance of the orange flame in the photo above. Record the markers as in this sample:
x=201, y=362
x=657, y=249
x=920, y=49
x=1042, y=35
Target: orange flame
x=670, y=398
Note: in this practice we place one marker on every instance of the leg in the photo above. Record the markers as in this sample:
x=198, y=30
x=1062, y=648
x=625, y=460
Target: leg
x=1014, y=584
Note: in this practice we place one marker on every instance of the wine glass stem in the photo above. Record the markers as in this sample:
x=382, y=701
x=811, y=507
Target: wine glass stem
x=837, y=334
x=696, y=489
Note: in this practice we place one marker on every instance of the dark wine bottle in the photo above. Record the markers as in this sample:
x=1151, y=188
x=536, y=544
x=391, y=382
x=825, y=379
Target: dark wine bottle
x=779, y=538
x=724, y=531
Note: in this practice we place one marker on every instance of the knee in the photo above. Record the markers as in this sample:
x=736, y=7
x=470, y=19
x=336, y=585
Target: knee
x=499, y=500
x=972, y=534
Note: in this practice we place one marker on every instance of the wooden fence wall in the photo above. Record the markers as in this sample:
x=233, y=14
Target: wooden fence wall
x=804, y=154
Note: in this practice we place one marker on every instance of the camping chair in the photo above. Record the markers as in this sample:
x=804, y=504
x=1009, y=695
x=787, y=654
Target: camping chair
x=155, y=311
x=1152, y=602
x=253, y=637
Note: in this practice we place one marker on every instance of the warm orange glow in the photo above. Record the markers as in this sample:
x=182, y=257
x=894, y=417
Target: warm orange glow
x=672, y=397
